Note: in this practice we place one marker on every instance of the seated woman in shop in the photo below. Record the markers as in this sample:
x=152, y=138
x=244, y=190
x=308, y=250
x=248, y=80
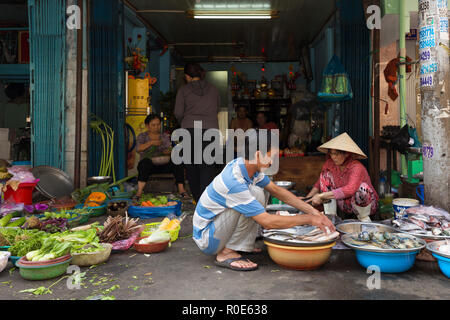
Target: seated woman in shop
x=346, y=180
x=153, y=143
x=241, y=121
x=261, y=119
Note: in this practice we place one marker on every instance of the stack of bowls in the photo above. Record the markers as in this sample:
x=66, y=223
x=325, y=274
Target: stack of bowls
x=43, y=270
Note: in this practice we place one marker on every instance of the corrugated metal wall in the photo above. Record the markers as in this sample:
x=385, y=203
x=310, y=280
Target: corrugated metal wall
x=47, y=81
x=355, y=50
x=106, y=79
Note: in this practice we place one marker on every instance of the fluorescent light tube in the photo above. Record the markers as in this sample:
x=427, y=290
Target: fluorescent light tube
x=223, y=16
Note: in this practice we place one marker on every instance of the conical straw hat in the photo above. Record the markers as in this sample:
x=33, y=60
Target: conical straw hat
x=343, y=142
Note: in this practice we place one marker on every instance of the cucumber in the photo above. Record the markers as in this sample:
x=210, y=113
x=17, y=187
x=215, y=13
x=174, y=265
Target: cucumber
x=5, y=220
x=18, y=223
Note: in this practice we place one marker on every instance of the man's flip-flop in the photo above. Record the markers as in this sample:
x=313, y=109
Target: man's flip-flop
x=227, y=264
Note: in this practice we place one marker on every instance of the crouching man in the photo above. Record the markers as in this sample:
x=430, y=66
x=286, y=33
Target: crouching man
x=231, y=208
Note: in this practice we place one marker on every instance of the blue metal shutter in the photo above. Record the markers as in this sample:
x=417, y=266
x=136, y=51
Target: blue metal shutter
x=106, y=75
x=355, y=51
x=47, y=81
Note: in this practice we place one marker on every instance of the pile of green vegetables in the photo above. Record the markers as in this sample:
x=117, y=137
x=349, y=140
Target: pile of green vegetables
x=59, y=215
x=6, y=220
x=157, y=201
x=42, y=246
x=22, y=241
x=58, y=245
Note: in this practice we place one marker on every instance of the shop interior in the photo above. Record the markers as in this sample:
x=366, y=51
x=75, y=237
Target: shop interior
x=262, y=65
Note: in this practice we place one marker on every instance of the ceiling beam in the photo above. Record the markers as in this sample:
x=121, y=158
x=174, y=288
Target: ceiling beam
x=144, y=21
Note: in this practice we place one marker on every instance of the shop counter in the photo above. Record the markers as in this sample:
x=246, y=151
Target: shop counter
x=304, y=171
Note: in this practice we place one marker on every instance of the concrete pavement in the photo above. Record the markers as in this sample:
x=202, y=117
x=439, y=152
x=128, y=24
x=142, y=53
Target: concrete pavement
x=182, y=272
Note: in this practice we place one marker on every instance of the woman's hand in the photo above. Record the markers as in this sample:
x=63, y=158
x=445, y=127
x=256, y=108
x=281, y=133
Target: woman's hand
x=316, y=200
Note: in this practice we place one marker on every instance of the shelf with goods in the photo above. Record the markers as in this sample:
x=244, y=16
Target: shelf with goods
x=276, y=109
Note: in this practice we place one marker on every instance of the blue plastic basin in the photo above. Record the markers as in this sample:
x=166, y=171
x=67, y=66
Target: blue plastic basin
x=154, y=212
x=14, y=260
x=444, y=264
x=388, y=262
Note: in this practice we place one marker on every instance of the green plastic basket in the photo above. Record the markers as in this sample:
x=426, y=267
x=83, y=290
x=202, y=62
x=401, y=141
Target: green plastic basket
x=120, y=195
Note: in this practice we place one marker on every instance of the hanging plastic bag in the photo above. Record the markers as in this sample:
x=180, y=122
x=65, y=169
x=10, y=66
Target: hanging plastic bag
x=335, y=83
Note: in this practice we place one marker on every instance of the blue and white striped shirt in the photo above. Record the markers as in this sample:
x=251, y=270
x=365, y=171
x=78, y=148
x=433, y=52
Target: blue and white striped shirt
x=229, y=190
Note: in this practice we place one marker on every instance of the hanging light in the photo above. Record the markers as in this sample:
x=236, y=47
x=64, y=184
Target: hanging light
x=254, y=14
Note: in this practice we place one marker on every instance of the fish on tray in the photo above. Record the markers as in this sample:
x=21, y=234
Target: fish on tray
x=384, y=240
x=303, y=233
x=435, y=226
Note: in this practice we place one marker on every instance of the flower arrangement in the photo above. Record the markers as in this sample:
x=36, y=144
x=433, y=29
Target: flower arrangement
x=136, y=61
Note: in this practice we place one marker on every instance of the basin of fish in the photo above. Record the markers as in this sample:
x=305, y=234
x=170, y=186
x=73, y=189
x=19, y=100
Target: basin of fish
x=305, y=235
x=425, y=222
x=383, y=241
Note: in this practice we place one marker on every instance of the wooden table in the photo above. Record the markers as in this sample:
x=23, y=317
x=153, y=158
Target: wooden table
x=304, y=171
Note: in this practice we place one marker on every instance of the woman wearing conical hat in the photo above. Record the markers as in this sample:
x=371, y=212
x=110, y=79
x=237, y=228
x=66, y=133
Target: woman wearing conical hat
x=345, y=179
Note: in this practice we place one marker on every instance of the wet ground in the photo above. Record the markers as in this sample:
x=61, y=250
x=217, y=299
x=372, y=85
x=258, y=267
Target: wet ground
x=182, y=272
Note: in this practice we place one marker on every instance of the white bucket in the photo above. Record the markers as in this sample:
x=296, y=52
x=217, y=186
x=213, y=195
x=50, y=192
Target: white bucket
x=330, y=208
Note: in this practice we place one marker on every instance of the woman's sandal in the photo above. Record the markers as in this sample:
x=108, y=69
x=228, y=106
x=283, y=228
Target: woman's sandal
x=185, y=196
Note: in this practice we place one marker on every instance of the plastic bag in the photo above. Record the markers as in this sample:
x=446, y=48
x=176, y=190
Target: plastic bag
x=4, y=256
x=10, y=206
x=335, y=83
x=22, y=175
x=126, y=244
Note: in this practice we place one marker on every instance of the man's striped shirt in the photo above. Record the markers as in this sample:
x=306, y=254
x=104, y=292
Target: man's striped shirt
x=229, y=190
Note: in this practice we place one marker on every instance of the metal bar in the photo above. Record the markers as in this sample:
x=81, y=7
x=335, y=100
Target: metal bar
x=207, y=44
x=79, y=98
x=15, y=29
x=160, y=11
x=402, y=75
x=376, y=106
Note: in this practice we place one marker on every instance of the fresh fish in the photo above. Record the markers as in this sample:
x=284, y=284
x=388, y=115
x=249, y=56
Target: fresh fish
x=364, y=236
x=417, y=222
x=384, y=240
x=405, y=225
x=377, y=236
x=420, y=217
x=445, y=224
x=436, y=231
x=323, y=237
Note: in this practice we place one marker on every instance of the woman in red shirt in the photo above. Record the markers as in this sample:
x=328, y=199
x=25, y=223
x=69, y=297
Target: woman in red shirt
x=345, y=179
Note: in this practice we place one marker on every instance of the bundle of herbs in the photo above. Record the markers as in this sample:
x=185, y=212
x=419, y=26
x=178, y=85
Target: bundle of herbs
x=107, y=135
